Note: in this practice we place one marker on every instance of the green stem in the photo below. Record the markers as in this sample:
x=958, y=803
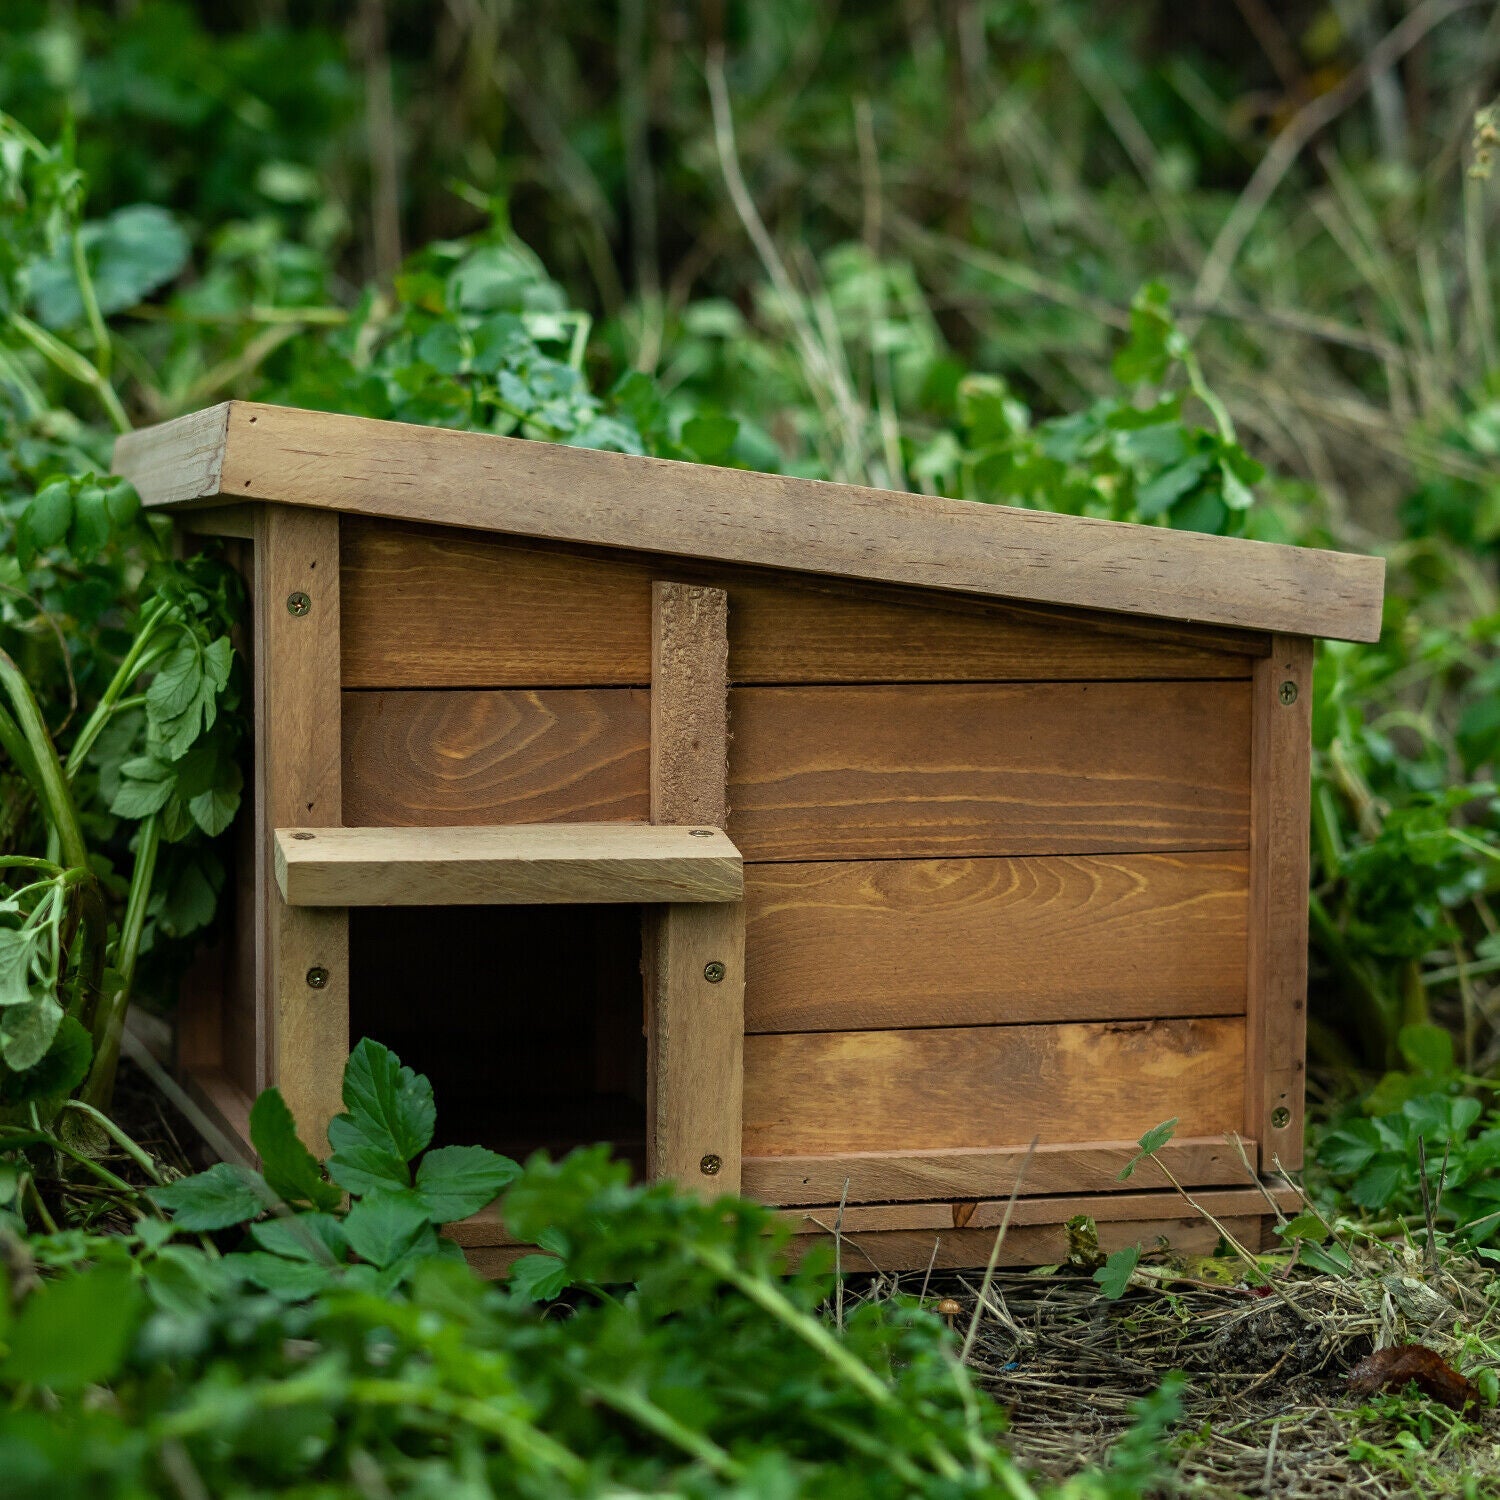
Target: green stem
x=13, y=742
x=97, y=329
x=135, y=661
x=56, y=796
x=136, y=1153
x=646, y=1413
x=73, y=365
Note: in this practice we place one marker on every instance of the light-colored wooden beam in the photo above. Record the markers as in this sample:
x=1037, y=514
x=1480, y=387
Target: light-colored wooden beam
x=693, y=956
x=490, y=483
x=537, y=864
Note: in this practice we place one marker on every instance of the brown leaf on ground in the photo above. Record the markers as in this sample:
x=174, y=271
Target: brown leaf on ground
x=1391, y=1370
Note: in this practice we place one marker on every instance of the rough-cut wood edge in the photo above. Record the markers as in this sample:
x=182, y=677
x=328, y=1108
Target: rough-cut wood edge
x=693, y=957
x=525, y=864
x=490, y=483
x=1276, y=983
x=304, y=967
x=978, y=1172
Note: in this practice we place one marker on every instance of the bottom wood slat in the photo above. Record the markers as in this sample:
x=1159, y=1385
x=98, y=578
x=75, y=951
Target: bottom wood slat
x=831, y=1093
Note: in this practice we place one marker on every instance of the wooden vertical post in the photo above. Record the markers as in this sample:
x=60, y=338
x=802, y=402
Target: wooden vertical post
x=1276, y=999
x=304, y=959
x=693, y=956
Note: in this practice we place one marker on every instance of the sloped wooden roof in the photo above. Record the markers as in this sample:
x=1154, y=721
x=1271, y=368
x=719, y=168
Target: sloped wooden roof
x=243, y=450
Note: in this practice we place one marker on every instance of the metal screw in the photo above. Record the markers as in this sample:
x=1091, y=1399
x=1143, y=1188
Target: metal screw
x=1287, y=693
x=317, y=977
x=298, y=604
x=710, y=1165
x=1281, y=1118
x=701, y=833
x=713, y=971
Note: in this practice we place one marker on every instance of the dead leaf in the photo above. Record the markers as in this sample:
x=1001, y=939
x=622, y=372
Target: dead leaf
x=1392, y=1369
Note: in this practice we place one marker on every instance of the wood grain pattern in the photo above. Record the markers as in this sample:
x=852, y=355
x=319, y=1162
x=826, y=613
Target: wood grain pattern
x=1279, y=856
x=491, y=483
x=840, y=946
x=535, y=864
x=829, y=1093
x=298, y=783
x=180, y=460
x=693, y=956
x=514, y=615
x=1044, y=768
x=429, y=759
x=975, y=1172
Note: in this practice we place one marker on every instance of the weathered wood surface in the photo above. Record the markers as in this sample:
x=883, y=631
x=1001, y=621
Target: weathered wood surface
x=1043, y=768
x=304, y=963
x=1279, y=858
x=551, y=864
x=830, y=1093
x=975, y=1172
x=532, y=489
x=837, y=946
x=693, y=956
x=426, y=759
x=425, y=607
x=176, y=461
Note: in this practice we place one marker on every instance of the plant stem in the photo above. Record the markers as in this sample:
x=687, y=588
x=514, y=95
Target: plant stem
x=52, y=784
x=72, y=364
x=134, y=662
x=102, y=350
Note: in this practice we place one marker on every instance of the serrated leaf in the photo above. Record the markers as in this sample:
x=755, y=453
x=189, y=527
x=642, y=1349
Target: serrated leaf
x=358, y=1166
x=318, y=1237
x=213, y=810
x=1114, y=1275
x=294, y=1280
x=176, y=684
x=139, y=799
x=389, y=1106
x=289, y=1168
x=538, y=1278
x=383, y=1226
x=456, y=1181
x=218, y=657
x=222, y=1196
x=73, y=1332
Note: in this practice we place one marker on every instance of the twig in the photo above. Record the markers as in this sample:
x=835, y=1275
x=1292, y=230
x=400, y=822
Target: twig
x=989, y=1270
x=1427, y=1212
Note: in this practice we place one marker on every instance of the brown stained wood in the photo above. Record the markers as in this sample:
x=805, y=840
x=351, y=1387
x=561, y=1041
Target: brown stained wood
x=830, y=1093
x=986, y=770
x=1029, y=1245
x=552, y=864
x=972, y=1173
x=693, y=956
x=296, y=654
x=836, y=946
x=478, y=480
x=1276, y=1014
x=433, y=758
x=425, y=607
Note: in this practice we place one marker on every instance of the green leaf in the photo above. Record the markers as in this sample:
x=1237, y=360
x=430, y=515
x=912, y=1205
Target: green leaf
x=289, y=1168
x=1427, y=1049
x=1158, y=1136
x=389, y=1106
x=74, y=1332
x=213, y=810
x=17, y=945
x=121, y=502
x=1305, y=1227
x=89, y=533
x=294, y=1280
x=176, y=685
x=456, y=1181
x=1114, y=1275
x=222, y=1196
x=51, y=512
x=1332, y=1260
x=318, y=1237
x=218, y=657
x=129, y=255
x=145, y=787
x=1165, y=489
x=359, y=1167
x=383, y=1226
x=1377, y=1184
x=57, y=1074
x=710, y=438
x=27, y=1031
x=538, y=1278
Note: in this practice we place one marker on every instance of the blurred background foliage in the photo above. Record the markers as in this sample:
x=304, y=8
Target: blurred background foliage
x=1229, y=267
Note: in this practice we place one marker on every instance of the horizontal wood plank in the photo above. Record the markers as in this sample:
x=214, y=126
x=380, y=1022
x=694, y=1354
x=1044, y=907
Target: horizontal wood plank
x=539, y=864
x=1046, y=768
x=840, y=946
x=829, y=1093
x=425, y=607
x=491, y=483
x=435, y=758
x=976, y=1172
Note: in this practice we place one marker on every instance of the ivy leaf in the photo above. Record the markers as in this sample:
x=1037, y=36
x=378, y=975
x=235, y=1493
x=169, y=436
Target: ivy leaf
x=456, y=1181
x=538, y=1278
x=1114, y=1275
x=389, y=1106
x=383, y=1226
x=26, y=1031
x=290, y=1169
x=73, y=1332
x=219, y=1198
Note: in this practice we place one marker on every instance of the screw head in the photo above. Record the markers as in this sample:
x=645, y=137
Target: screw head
x=304, y=836
x=1281, y=1117
x=298, y=604
x=317, y=977
x=713, y=971
x=711, y=1164
x=1287, y=692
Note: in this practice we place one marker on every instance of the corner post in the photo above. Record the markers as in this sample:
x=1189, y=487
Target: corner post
x=693, y=955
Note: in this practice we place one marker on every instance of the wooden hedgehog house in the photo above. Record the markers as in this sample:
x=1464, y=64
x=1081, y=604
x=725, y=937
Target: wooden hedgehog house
x=814, y=842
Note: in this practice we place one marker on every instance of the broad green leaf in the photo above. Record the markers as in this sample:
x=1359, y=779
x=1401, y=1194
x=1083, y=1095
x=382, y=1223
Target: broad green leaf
x=538, y=1278
x=388, y=1105
x=176, y=685
x=139, y=798
x=289, y=1168
x=51, y=512
x=222, y=1196
x=1377, y=1184
x=456, y=1181
x=318, y=1237
x=213, y=811
x=1428, y=1049
x=1332, y=1260
x=16, y=948
x=27, y=1031
x=295, y=1280
x=121, y=502
x=57, y=1074
x=1305, y=1227
x=382, y=1227
x=129, y=255
x=1163, y=491
x=1114, y=1275
x=218, y=657
x=74, y=1331
x=360, y=1167
x=91, y=528
x=710, y=438
x=1158, y=1136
